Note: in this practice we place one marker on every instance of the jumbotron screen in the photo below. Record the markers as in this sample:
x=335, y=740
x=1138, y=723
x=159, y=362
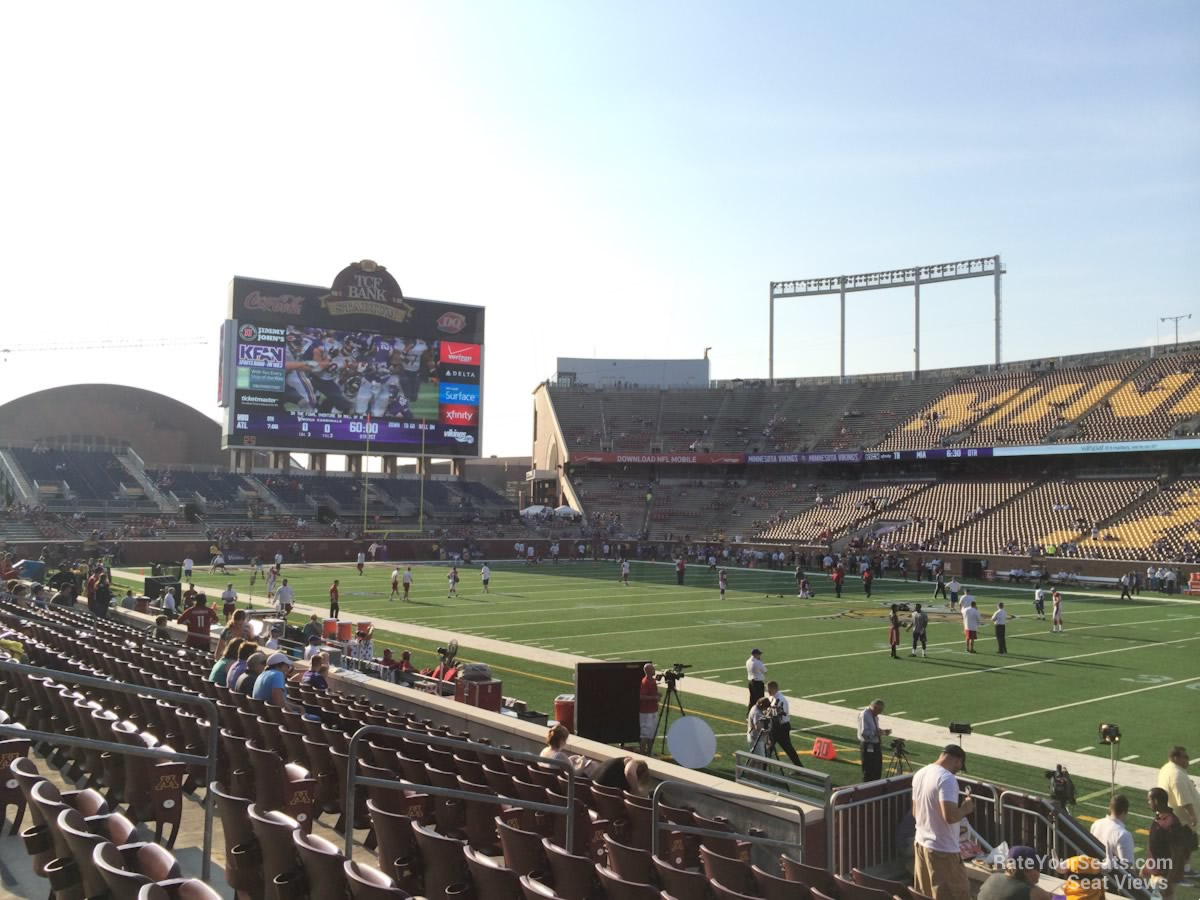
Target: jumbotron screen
x=358, y=368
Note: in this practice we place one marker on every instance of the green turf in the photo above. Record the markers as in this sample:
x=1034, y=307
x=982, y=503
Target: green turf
x=1134, y=663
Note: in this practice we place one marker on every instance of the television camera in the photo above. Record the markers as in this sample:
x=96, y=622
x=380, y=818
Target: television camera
x=673, y=674
x=1062, y=788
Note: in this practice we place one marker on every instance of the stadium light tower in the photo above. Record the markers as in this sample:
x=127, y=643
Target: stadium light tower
x=1175, y=319
x=985, y=267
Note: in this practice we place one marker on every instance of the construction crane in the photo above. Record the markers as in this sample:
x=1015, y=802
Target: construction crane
x=118, y=344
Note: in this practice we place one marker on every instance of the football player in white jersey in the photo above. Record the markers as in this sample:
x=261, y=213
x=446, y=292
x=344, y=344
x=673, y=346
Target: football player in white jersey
x=409, y=353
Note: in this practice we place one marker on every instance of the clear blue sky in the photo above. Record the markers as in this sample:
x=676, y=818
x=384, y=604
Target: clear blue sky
x=618, y=179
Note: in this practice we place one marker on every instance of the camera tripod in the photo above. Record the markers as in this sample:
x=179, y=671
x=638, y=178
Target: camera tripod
x=900, y=761
x=664, y=714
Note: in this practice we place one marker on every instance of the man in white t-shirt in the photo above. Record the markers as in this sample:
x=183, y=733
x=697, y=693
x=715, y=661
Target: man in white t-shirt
x=529, y=553
x=955, y=588
x=1114, y=836
x=485, y=575
x=278, y=560
x=407, y=580
x=1000, y=623
x=285, y=598
x=395, y=584
x=970, y=617
x=756, y=674
x=937, y=866
x=359, y=561
x=625, y=572
x=187, y=569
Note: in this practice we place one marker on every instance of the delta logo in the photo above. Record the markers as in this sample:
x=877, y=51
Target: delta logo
x=458, y=393
x=458, y=374
x=452, y=322
x=457, y=414
x=463, y=354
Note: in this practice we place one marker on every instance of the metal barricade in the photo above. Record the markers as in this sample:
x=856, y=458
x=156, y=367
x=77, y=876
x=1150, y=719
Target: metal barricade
x=353, y=779
x=774, y=800
x=209, y=762
x=863, y=820
x=775, y=775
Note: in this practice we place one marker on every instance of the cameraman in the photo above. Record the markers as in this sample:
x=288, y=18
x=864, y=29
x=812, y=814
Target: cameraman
x=648, y=710
x=870, y=740
x=781, y=724
x=758, y=728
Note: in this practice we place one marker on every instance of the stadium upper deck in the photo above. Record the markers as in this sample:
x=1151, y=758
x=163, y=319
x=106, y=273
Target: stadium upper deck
x=1128, y=395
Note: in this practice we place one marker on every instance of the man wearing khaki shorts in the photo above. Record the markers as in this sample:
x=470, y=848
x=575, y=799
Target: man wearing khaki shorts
x=937, y=867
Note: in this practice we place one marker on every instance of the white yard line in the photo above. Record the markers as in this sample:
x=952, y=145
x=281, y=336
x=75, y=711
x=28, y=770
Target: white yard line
x=1002, y=733
x=1132, y=756
x=957, y=641
x=838, y=701
x=1024, y=665
x=1044, y=741
x=1036, y=712
x=933, y=719
x=1087, y=749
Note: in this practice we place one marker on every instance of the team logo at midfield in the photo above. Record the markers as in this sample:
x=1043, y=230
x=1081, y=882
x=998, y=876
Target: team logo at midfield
x=452, y=322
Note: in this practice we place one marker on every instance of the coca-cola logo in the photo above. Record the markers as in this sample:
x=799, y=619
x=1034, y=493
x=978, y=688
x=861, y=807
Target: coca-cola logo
x=452, y=322
x=289, y=304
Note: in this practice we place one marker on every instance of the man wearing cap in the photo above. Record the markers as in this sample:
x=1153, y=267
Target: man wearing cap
x=937, y=866
x=756, y=671
x=870, y=738
x=1018, y=881
x=271, y=684
x=781, y=724
x=313, y=648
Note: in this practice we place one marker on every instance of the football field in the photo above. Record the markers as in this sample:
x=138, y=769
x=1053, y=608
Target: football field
x=1133, y=663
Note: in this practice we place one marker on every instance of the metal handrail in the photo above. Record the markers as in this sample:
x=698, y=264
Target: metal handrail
x=209, y=762
x=814, y=783
x=774, y=800
x=353, y=779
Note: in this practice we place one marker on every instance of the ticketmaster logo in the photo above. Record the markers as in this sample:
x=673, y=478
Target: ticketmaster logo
x=461, y=436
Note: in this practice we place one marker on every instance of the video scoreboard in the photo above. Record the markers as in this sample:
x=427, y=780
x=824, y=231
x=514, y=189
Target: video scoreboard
x=356, y=368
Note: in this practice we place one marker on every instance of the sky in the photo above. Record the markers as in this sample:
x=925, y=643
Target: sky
x=610, y=179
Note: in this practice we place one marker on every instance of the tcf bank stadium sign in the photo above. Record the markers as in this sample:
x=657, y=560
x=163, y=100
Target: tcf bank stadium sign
x=367, y=288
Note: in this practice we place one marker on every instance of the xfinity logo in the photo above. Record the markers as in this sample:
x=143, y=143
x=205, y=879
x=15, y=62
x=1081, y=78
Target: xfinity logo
x=461, y=436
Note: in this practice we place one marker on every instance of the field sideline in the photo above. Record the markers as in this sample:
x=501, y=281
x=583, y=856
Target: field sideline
x=1133, y=663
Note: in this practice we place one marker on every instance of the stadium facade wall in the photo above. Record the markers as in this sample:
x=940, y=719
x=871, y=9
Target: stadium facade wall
x=139, y=553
